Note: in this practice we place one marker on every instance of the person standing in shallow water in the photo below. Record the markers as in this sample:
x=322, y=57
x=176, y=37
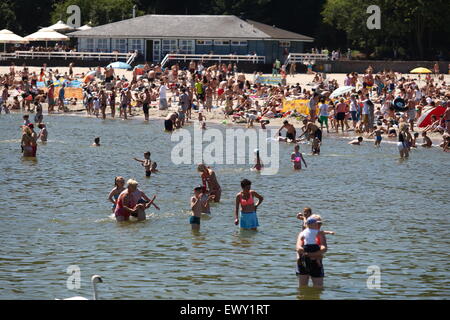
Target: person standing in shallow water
x=210, y=182
x=245, y=200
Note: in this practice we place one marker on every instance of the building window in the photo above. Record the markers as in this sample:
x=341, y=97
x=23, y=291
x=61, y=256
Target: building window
x=90, y=45
x=102, y=45
x=136, y=45
x=204, y=42
x=285, y=44
x=157, y=50
x=119, y=45
x=169, y=46
x=239, y=43
x=186, y=46
x=221, y=42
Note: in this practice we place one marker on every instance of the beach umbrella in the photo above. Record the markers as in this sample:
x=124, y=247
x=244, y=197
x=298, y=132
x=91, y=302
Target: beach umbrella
x=7, y=36
x=425, y=118
x=421, y=70
x=119, y=65
x=342, y=90
x=91, y=73
x=61, y=27
x=85, y=27
x=46, y=34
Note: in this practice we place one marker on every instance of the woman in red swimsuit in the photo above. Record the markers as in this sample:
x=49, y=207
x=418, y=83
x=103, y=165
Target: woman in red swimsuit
x=127, y=204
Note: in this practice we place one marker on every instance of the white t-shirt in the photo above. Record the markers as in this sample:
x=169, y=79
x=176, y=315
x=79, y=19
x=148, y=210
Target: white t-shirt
x=309, y=236
x=365, y=108
x=162, y=92
x=323, y=110
x=353, y=105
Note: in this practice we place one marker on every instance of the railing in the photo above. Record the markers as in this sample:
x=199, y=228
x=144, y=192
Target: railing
x=213, y=57
x=131, y=58
x=302, y=57
x=68, y=55
x=6, y=56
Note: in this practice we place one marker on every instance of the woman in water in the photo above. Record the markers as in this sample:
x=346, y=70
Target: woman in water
x=132, y=202
x=245, y=201
x=28, y=142
x=210, y=181
x=119, y=183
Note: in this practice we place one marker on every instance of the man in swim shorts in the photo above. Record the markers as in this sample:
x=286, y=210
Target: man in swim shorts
x=290, y=130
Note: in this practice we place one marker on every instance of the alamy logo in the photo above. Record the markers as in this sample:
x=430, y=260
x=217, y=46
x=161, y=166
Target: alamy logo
x=74, y=280
x=374, y=279
x=74, y=20
x=229, y=149
x=374, y=20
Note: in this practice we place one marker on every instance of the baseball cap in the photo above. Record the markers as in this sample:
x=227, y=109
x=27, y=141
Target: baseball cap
x=311, y=221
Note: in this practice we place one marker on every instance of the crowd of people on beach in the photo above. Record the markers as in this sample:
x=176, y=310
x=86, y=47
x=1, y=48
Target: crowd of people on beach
x=385, y=105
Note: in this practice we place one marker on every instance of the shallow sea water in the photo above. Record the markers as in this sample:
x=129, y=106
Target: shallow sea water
x=389, y=213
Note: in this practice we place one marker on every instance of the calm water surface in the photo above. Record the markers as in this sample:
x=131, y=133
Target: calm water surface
x=385, y=212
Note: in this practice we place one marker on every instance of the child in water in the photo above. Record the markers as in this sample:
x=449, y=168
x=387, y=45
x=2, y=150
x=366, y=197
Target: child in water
x=199, y=205
x=297, y=158
x=258, y=166
x=315, y=146
x=146, y=163
x=377, y=133
x=308, y=236
x=119, y=183
x=96, y=142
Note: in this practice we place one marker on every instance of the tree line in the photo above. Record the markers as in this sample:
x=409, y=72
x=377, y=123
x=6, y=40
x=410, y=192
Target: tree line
x=412, y=29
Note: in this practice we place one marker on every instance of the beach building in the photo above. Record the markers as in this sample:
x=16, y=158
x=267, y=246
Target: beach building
x=155, y=36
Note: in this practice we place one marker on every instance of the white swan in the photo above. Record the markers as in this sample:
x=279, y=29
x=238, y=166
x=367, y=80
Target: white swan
x=95, y=279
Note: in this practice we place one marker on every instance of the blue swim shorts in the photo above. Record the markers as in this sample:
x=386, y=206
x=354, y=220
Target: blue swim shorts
x=248, y=220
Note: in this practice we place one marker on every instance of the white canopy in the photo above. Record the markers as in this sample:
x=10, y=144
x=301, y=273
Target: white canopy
x=60, y=26
x=46, y=34
x=7, y=36
x=85, y=27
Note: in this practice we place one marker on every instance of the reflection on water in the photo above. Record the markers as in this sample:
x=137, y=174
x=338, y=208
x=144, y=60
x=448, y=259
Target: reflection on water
x=385, y=212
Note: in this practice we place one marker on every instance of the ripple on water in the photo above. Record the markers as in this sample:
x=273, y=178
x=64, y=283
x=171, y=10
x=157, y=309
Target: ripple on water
x=58, y=215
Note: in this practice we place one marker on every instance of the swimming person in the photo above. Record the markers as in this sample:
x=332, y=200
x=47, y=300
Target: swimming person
x=356, y=142
x=96, y=142
x=146, y=163
x=119, y=183
x=210, y=182
x=297, y=158
x=199, y=205
x=245, y=200
x=258, y=165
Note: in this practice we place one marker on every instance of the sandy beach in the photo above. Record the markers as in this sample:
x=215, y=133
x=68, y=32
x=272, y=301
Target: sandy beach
x=216, y=116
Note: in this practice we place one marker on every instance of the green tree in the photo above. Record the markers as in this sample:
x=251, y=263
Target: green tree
x=407, y=26
x=96, y=12
x=8, y=16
